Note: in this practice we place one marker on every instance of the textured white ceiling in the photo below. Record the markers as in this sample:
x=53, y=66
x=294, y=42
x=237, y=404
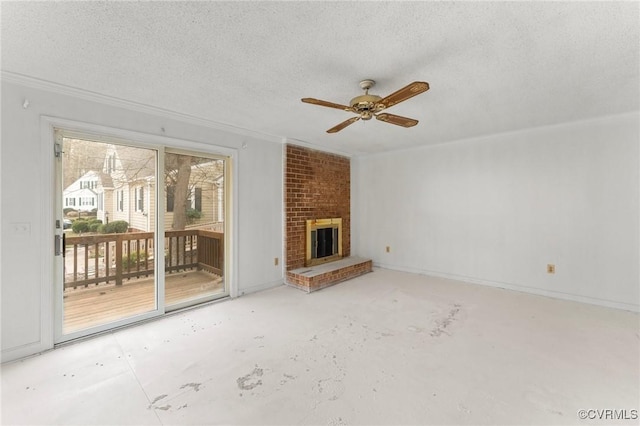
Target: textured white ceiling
x=492, y=67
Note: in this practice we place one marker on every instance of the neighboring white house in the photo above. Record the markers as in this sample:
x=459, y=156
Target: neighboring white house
x=82, y=194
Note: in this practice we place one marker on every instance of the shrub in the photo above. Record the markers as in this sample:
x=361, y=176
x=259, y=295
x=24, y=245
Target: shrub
x=193, y=215
x=94, y=224
x=68, y=210
x=115, y=227
x=133, y=259
x=79, y=226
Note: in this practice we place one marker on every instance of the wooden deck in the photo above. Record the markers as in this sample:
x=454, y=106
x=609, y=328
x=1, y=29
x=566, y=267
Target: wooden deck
x=88, y=307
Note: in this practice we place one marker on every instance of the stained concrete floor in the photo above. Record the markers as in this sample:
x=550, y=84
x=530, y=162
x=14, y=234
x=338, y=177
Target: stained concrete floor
x=384, y=348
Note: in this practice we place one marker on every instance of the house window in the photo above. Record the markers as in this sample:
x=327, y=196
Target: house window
x=140, y=199
x=120, y=200
x=111, y=164
x=196, y=199
x=87, y=201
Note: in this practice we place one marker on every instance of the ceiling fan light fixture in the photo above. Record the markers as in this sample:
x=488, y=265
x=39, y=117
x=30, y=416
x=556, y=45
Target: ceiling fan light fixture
x=366, y=115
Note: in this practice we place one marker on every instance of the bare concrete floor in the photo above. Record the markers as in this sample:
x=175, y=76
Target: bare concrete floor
x=384, y=348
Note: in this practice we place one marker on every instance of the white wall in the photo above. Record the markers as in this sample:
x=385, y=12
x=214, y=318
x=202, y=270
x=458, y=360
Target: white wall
x=496, y=210
x=27, y=190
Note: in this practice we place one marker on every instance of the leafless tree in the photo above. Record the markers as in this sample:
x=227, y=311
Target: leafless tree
x=79, y=157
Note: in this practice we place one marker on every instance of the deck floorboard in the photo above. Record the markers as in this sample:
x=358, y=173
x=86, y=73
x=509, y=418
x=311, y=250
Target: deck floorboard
x=95, y=305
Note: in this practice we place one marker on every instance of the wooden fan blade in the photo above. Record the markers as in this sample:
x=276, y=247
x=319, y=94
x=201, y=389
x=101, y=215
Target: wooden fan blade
x=343, y=125
x=405, y=93
x=325, y=103
x=397, y=120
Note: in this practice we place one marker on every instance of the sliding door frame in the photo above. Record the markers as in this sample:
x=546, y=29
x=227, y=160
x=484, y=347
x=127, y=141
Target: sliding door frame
x=51, y=300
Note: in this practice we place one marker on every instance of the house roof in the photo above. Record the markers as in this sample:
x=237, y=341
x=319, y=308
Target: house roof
x=493, y=66
x=137, y=163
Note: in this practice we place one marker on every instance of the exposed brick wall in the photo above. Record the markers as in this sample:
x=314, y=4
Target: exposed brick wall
x=317, y=186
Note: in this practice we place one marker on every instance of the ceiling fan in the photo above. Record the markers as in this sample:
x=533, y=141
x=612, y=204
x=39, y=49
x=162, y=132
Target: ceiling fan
x=368, y=106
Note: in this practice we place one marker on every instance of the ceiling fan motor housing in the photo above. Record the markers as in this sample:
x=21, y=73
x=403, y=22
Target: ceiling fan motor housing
x=366, y=105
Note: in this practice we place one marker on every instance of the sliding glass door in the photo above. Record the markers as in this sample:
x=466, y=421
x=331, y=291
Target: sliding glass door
x=139, y=230
x=107, y=221
x=194, y=225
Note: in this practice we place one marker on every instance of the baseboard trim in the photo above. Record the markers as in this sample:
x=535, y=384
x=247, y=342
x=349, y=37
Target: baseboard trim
x=23, y=351
x=516, y=287
x=260, y=287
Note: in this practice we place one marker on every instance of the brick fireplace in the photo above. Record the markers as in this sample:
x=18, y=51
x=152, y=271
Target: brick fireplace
x=317, y=188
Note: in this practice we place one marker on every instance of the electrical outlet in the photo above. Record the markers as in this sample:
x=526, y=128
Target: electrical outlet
x=551, y=269
x=275, y=261
x=388, y=249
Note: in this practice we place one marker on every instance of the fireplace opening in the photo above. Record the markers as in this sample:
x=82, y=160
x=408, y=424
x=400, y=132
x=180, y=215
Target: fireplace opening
x=324, y=241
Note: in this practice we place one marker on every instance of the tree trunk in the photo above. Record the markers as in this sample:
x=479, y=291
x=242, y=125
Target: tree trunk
x=181, y=193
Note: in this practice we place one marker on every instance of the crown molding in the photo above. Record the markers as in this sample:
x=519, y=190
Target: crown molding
x=61, y=89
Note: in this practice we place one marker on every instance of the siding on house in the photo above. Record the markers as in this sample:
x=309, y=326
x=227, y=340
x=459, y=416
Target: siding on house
x=140, y=219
